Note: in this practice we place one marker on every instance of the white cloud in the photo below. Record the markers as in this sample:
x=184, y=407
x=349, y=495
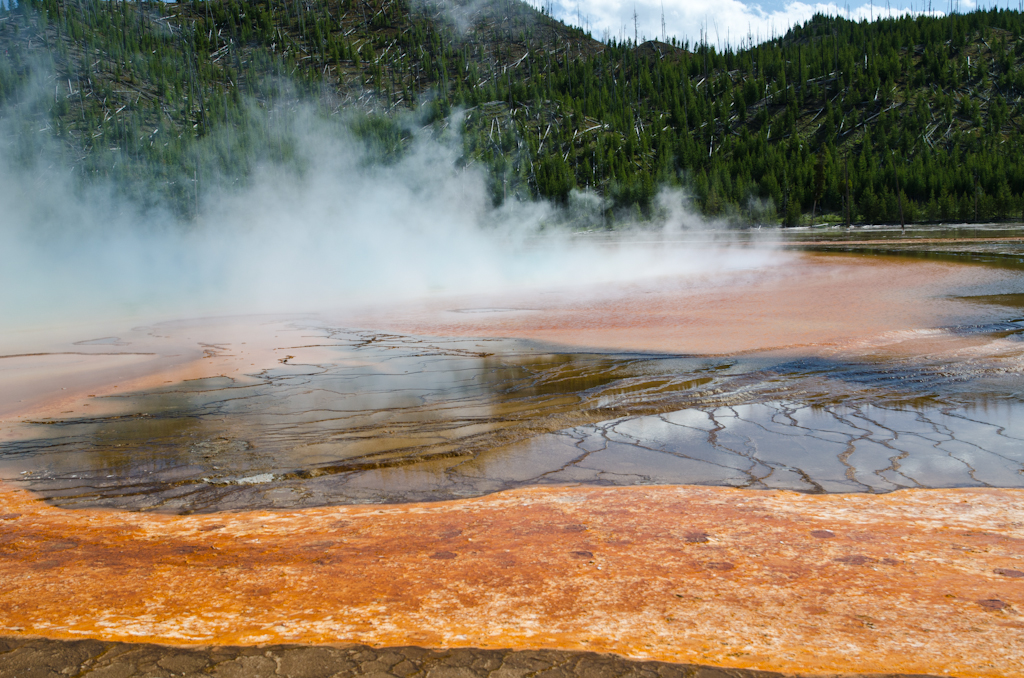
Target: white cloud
x=720, y=21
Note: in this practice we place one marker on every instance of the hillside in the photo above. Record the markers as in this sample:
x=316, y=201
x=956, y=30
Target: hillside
x=919, y=116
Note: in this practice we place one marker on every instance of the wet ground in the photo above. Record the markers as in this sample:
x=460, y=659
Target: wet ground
x=921, y=387
x=979, y=242
x=394, y=418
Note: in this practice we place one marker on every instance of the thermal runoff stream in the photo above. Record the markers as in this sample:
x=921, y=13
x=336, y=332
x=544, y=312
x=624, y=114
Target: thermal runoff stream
x=810, y=463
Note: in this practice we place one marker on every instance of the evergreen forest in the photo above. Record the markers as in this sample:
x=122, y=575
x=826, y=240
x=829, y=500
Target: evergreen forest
x=913, y=119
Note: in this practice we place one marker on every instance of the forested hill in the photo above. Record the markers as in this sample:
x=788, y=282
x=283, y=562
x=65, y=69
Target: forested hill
x=920, y=116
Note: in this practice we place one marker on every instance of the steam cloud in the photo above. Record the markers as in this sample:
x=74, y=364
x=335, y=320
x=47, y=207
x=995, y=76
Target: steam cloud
x=328, y=231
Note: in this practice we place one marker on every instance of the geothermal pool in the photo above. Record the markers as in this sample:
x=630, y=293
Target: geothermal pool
x=867, y=406
x=826, y=373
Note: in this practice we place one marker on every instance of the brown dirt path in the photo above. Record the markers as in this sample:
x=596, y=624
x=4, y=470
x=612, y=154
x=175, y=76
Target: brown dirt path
x=42, y=658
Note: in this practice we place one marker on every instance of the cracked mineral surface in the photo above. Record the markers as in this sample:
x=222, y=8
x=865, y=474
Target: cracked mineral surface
x=396, y=418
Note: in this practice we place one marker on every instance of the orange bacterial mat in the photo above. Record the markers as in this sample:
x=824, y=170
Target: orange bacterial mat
x=916, y=581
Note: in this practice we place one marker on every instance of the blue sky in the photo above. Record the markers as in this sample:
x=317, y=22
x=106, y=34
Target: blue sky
x=730, y=20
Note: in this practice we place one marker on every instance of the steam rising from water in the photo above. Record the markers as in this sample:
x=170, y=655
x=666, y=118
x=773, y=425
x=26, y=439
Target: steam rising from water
x=328, y=230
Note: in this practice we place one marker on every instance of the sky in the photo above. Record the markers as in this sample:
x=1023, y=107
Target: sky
x=731, y=21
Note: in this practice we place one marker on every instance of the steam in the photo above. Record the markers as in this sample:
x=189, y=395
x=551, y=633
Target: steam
x=331, y=229
x=462, y=14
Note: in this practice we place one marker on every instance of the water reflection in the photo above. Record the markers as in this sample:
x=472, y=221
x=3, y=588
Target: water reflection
x=865, y=396
x=365, y=417
x=784, y=446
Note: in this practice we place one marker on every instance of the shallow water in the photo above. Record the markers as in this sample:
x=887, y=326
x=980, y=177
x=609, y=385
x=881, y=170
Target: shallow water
x=917, y=389
x=402, y=419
